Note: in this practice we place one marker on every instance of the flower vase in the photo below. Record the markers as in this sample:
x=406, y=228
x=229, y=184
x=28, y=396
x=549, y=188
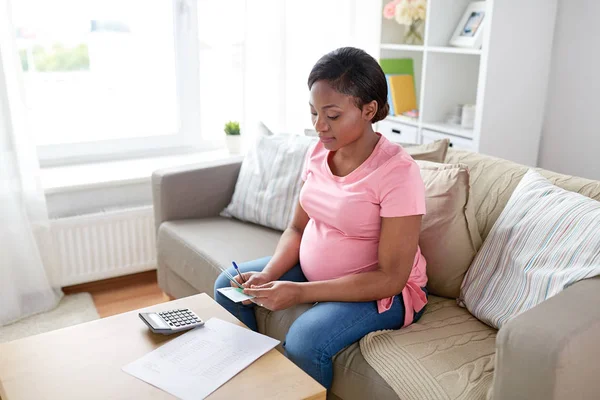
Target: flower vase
x=413, y=33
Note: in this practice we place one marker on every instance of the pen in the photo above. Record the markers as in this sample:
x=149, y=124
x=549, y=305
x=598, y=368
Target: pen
x=238, y=271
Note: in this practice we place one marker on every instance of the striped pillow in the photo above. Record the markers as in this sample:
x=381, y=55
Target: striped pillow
x=545, y=239
x=267, y=188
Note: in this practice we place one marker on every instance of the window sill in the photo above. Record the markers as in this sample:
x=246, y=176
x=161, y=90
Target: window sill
x=73, y=178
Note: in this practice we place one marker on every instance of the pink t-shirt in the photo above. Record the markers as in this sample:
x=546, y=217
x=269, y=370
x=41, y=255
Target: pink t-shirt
x=342, y=235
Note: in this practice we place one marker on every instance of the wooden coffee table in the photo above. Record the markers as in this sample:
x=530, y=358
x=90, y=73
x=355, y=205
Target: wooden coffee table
x=84, y=362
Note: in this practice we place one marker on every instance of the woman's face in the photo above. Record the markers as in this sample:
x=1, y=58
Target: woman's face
x=336, y=117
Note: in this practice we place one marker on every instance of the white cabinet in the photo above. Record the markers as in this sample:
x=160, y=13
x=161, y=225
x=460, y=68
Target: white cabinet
x=506, y=79
x=455, y=141
x=398, y=132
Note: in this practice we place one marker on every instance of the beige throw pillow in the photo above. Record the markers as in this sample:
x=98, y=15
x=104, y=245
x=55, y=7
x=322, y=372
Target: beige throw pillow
x=449, y=236
x=434, y=151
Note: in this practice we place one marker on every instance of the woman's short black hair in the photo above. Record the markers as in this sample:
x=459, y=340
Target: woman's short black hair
x=355, y=73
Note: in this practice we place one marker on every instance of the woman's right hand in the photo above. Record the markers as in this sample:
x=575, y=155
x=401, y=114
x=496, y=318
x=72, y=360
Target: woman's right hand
x=252, y=278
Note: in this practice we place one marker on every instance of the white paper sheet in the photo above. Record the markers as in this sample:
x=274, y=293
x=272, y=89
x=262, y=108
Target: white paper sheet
x=198, y=362
x=234, y=295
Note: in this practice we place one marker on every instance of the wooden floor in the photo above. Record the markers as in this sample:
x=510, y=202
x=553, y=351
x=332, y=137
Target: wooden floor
x=125, y=293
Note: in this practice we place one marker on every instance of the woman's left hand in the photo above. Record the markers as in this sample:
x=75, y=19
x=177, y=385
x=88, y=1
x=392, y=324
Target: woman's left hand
x=277, y=295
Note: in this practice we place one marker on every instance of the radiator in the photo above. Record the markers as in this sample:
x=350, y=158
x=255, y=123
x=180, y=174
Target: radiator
x=105, y=245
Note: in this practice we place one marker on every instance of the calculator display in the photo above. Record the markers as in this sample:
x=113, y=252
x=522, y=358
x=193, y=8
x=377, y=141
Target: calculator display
x=159, y=322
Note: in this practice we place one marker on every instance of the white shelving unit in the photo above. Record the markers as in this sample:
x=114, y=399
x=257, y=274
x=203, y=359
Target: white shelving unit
x=506, y=79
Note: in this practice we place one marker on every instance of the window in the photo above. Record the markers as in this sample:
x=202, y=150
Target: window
x=106, y=78
x=221, y=37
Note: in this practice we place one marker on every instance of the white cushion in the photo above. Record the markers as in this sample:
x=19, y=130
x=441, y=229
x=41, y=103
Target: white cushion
x=267, y=188
x=545, y=239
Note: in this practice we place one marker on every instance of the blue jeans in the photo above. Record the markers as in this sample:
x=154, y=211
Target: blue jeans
x=324, y=329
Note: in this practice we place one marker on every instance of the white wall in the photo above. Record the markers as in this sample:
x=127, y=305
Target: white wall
x=571, y=131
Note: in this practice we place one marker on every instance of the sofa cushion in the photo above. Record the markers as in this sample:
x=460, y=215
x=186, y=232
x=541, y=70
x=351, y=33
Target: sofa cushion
x=449, y=237
x=267, y=188
x=193, y=249
x=545, y=239
x=447, y=354
x=493, y=180
x=433, y=152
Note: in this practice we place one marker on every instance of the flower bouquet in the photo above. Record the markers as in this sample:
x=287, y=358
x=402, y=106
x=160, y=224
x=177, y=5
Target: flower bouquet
x=410, y=13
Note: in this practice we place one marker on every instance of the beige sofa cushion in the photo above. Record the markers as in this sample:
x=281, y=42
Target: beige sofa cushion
x=434, y=152
x=449, y=237
x=493, y=180
x=195, y=248
x=447, y=354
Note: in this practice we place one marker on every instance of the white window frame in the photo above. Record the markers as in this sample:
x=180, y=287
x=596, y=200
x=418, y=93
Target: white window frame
x=188, y=137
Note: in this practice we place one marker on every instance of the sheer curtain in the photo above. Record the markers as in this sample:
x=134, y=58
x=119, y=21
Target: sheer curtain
x=26, y=250
x=284, y=38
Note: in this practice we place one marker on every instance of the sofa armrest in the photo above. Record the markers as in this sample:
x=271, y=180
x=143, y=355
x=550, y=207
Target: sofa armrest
x=193, y=191
x=552, y=351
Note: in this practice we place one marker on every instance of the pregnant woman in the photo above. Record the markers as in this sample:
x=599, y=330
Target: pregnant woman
x=351, y=249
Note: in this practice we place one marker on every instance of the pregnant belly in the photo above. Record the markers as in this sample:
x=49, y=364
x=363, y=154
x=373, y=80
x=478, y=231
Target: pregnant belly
x=329, y=254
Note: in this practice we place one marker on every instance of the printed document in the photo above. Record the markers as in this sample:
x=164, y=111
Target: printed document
x=198, y=362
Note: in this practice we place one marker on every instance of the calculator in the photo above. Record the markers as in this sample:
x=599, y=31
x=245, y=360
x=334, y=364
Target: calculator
x=171, y=321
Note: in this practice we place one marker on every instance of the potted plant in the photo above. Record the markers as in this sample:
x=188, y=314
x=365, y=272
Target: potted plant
x=411, y=14
x=232, y=137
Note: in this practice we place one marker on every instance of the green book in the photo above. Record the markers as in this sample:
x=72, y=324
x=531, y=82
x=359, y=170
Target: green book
x=397, y=66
